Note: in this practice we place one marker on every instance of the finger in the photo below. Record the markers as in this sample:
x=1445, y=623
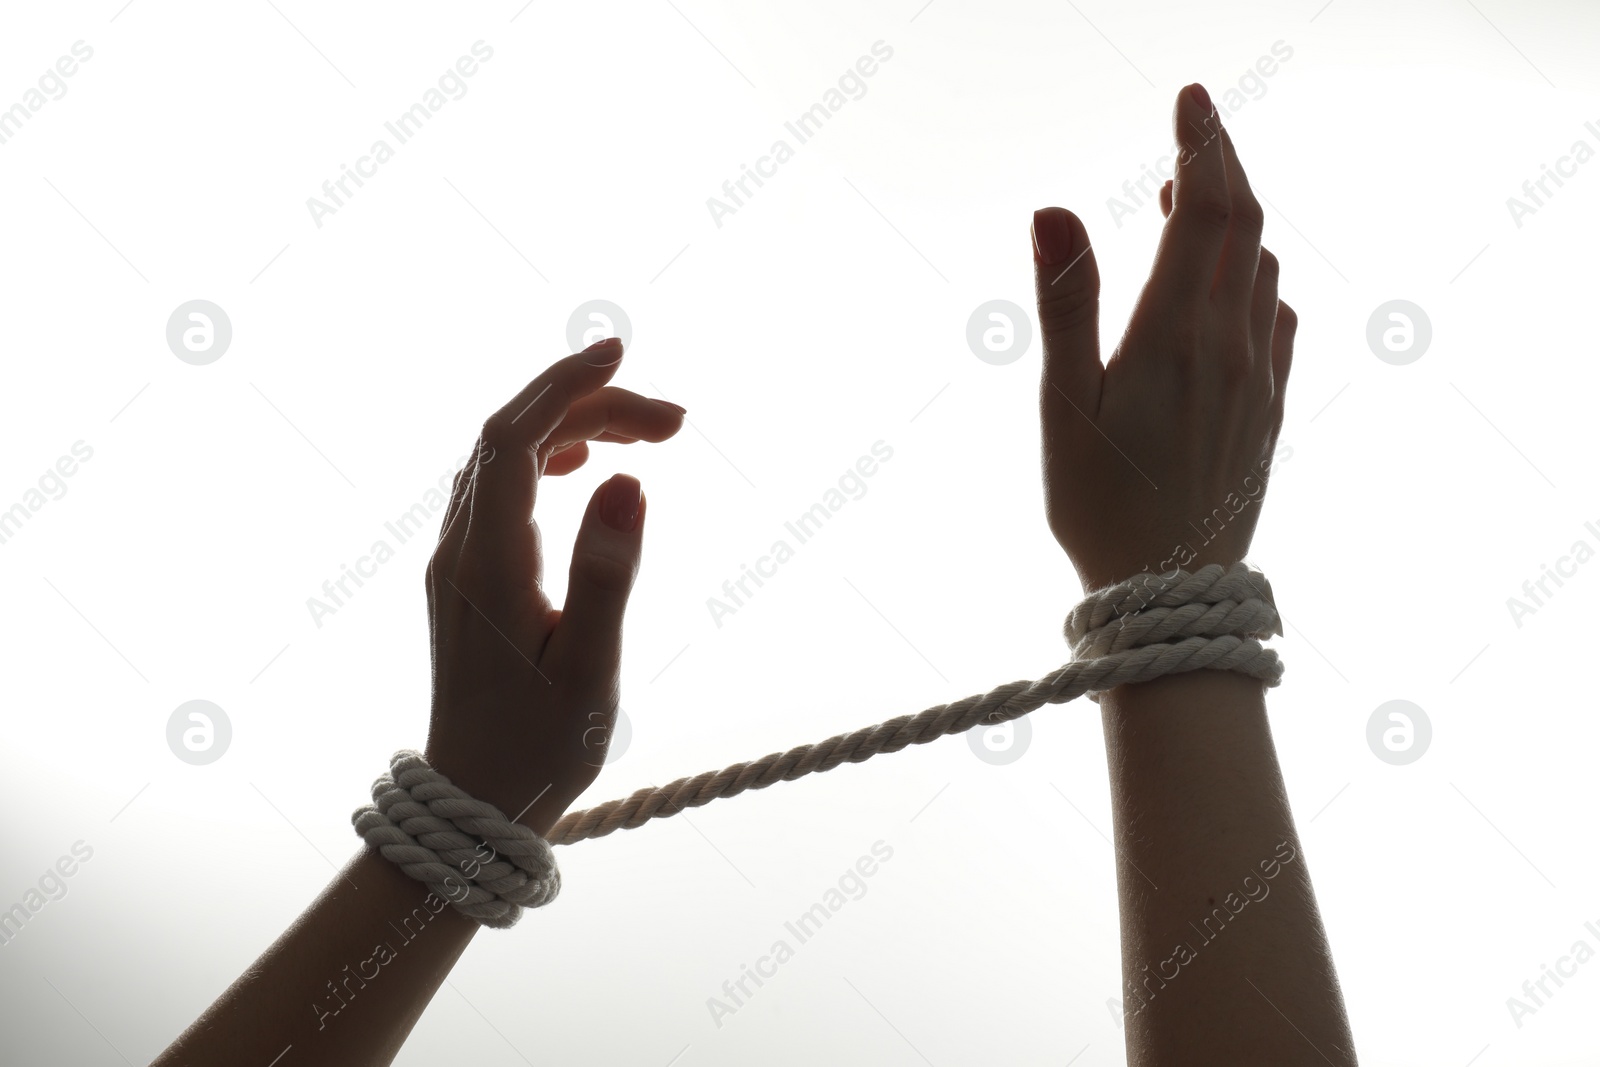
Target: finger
x=605, y=560
x=1191, y=243
x=622, y=414
x=1067, y=285
x=453, y=527
x=458, y=490
x=503, y=497
x=1264, y=311
x=1166, y=198
x=1283, y=332
x=567, y=460
x=449, y=531
x=1236, y=274
x=534, y=413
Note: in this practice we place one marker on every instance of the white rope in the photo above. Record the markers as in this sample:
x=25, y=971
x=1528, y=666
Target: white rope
x=437, y=834
x=1134, y=631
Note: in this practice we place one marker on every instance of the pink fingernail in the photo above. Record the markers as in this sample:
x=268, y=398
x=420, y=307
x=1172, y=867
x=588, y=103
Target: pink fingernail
x=603, y=353
x=619, y=505
x=1052, y=235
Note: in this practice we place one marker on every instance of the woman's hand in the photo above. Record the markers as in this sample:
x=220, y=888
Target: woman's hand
x=1159, y=458
x=1156, y=461
x=525, y=694
x=524, y=697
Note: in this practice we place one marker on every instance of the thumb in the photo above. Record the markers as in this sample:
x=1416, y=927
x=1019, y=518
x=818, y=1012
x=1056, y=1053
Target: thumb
x=1067, y=283
x=605, y=559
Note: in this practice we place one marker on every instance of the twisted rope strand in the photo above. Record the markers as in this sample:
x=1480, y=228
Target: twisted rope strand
x=1134, y=631
x=1119, y=635
x=435, y=832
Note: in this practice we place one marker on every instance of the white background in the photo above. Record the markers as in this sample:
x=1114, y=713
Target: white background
x=828, y=313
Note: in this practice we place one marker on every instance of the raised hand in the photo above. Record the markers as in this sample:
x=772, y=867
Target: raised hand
x=525, y=695
x=1159, y=458
x=1156, y=461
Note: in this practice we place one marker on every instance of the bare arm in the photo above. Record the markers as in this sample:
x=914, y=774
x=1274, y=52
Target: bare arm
x=1224, y=959
x=1154, y=461
x=524, y=699
x=344, y=984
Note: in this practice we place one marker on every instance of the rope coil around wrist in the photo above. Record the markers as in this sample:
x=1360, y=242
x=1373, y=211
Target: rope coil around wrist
x=437, y=833
x=1137, y=630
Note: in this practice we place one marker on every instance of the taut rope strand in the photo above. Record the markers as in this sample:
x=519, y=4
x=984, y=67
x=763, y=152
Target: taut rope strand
x=1134, y=631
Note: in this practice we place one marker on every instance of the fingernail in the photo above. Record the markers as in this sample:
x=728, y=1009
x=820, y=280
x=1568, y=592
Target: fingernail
x=1052, y=235
x=604, y=352
x=619, y=506
x=679, y=408
x=1198, y=94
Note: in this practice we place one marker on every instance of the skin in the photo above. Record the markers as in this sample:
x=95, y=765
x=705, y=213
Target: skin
x=1138, y=451
x=524, y=699
x=1135, y=450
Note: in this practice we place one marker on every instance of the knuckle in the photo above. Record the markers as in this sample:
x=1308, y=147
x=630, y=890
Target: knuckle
x=441, y=567
x=496, y=430
x=1287, y=321
x=1066, y=306
x=1210, y=209
x=1248, y=215
x=606, y=573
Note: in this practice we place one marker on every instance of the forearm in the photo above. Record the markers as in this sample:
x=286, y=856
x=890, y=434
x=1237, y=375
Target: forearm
x=1224, y=955
x=344, y=984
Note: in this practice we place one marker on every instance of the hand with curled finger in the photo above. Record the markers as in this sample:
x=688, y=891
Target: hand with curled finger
x=524, y=693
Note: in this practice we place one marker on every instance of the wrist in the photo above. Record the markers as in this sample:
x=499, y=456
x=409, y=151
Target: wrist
x=401, y=895
x=1099, y=574
x=1207, y=686
x=525, y=796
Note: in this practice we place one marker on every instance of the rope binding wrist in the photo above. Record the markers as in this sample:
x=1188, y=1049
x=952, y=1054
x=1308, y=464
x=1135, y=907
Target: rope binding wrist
x=467, y=851
x=1136, y=630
